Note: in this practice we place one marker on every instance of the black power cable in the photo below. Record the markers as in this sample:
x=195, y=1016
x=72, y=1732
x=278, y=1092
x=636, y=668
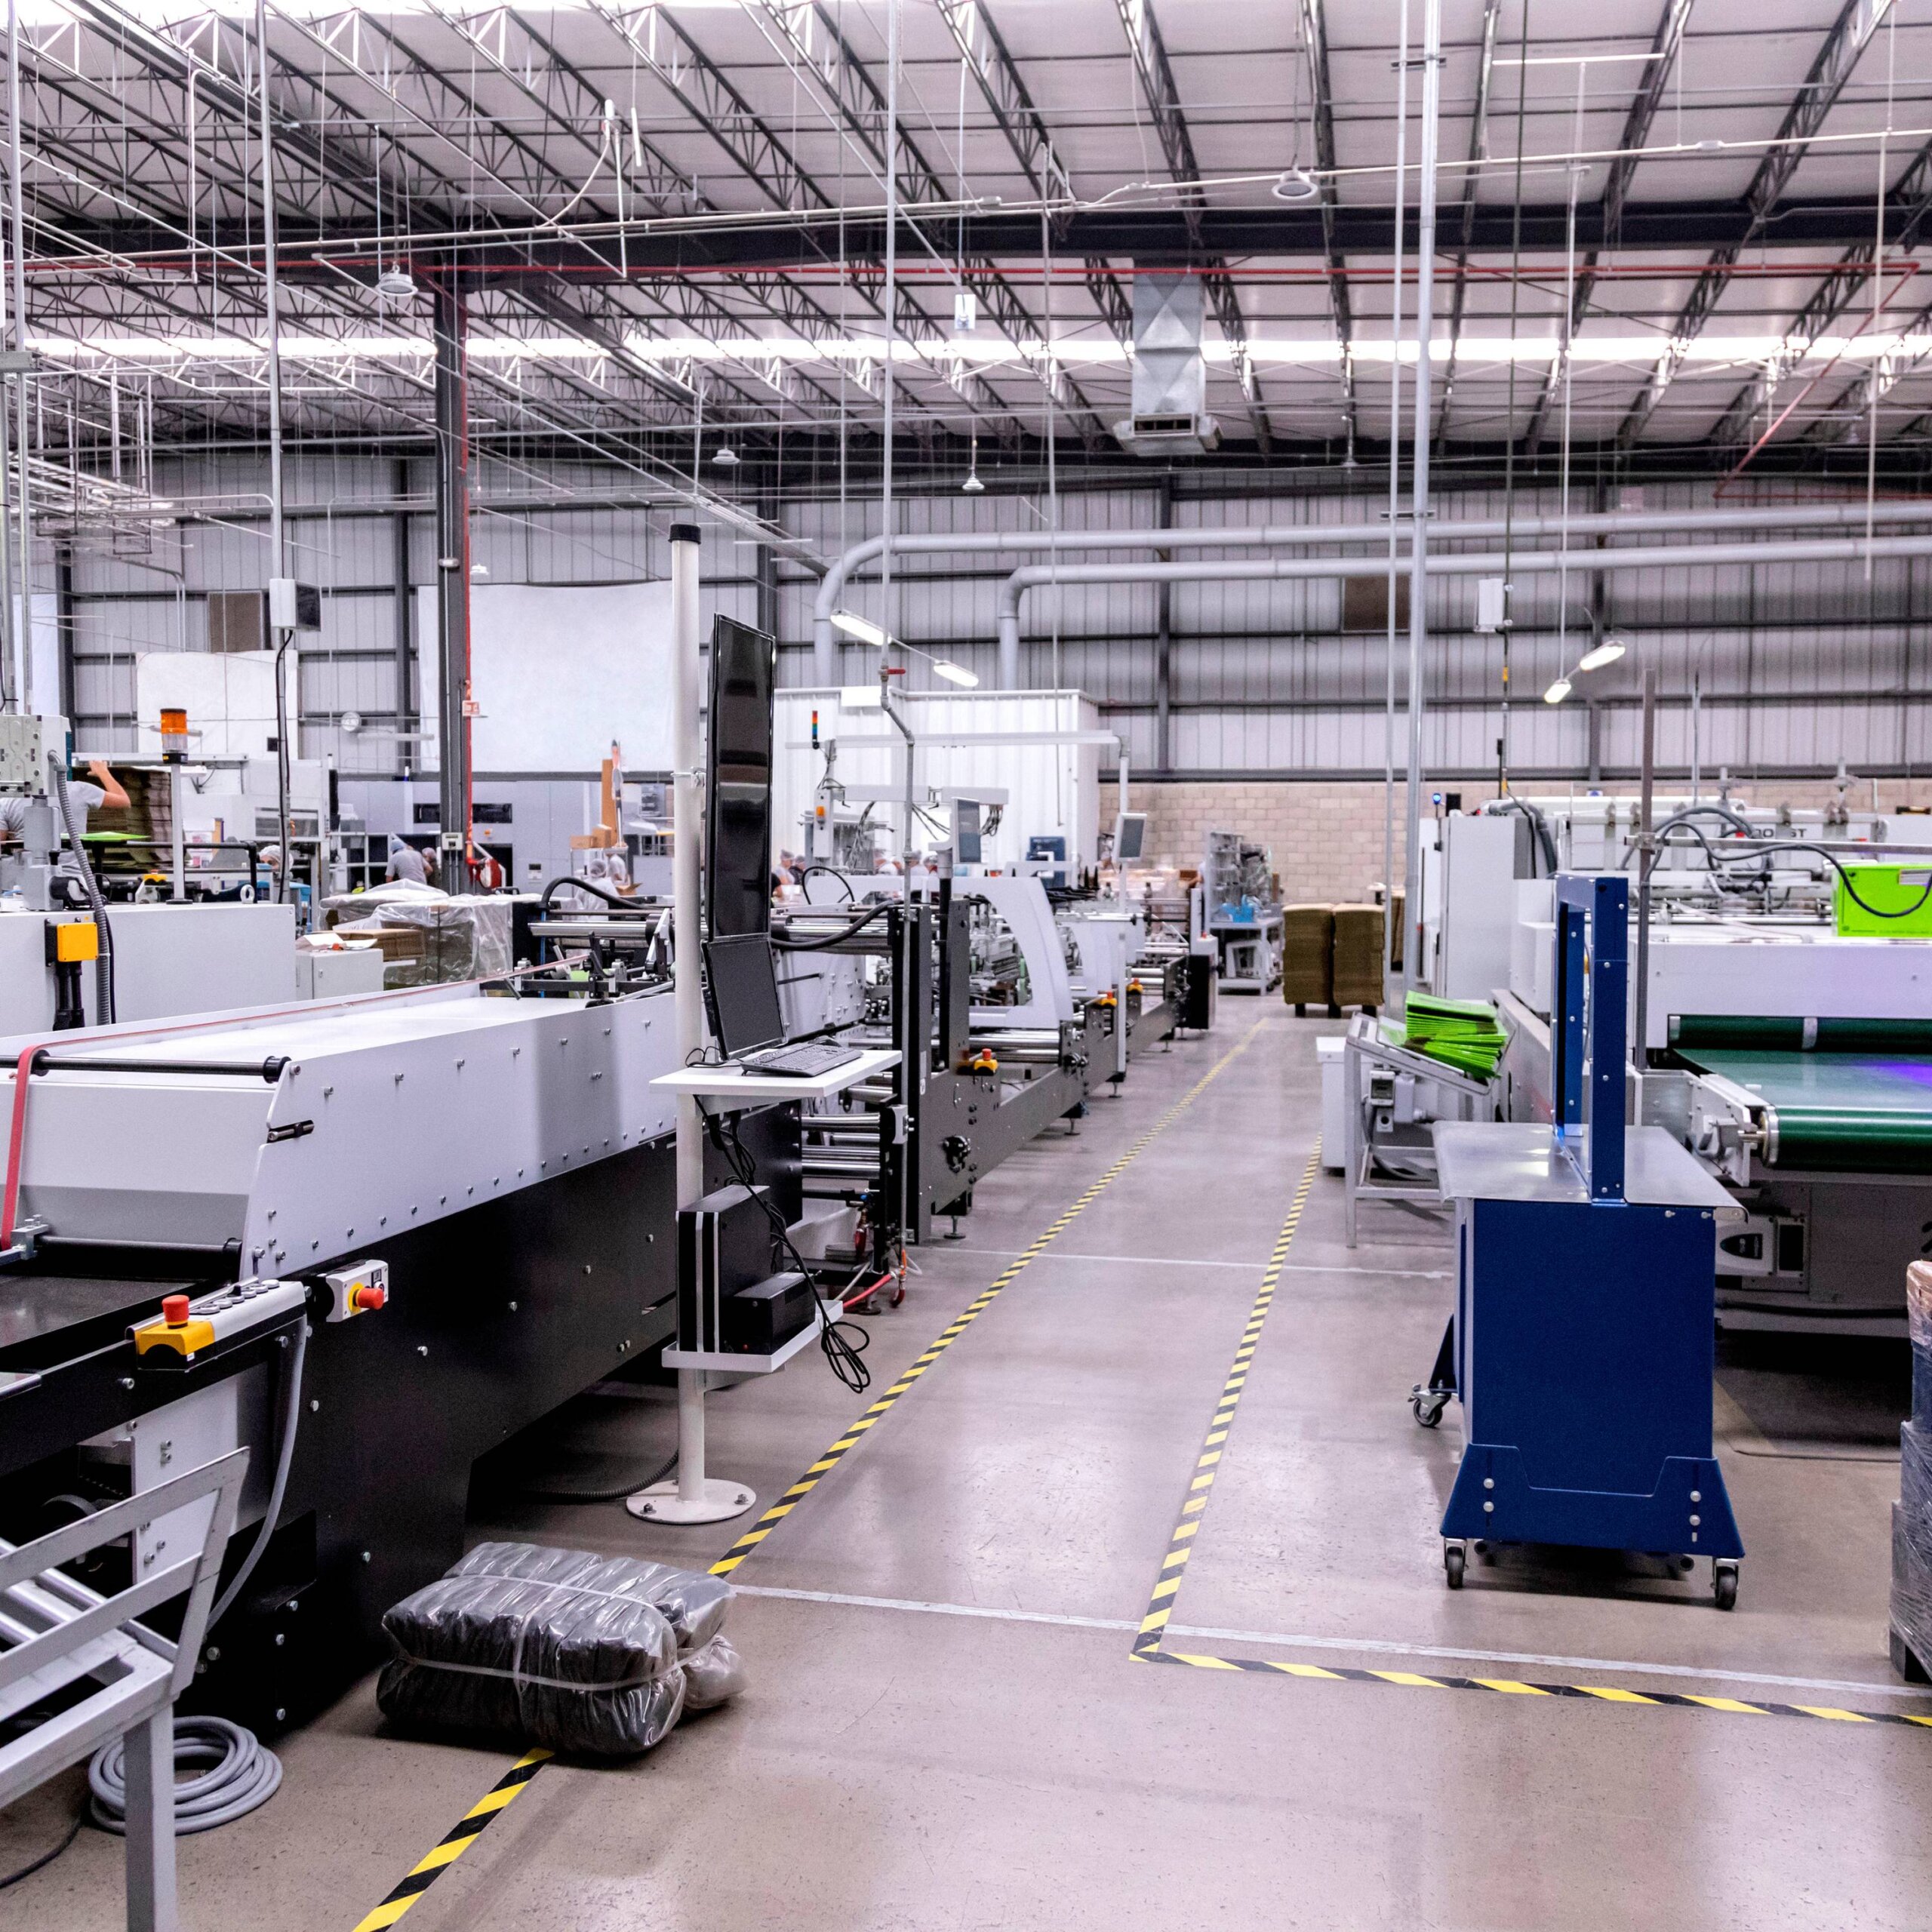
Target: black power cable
x=841, y=1354
x=851, y=897
x=46, y=1858
x=1765, y=850
x=627, y=1488
x=838, y=938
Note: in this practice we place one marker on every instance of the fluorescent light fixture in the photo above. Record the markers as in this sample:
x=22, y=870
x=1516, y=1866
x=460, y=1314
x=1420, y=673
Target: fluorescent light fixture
x=1558, y=692
x=864, y=628
x=1607, y=652
x=956, y=674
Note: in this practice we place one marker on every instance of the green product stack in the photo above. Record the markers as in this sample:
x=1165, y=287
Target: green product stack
x=1461, y=1033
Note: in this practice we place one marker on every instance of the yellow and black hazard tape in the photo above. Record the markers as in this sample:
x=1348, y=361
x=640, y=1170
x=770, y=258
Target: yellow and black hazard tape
x=1207, y=1464
x=856, y=1434
x=1148, y=1641
x=455, y=1842
x=1510, y=1686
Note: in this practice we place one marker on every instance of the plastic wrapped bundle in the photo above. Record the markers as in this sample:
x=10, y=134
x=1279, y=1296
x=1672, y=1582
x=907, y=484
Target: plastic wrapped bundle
x=1916, y=1477
x=1911, y=1546
x=428, y=937
x=713, y=1675
x=1918, y=1323
x=1912, y=1594
x=560, y=1648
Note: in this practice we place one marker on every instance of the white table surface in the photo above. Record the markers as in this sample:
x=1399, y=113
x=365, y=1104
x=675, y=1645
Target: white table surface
x=728, y=1083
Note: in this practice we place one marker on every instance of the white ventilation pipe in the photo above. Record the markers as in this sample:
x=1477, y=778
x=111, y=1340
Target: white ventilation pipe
x=1837, y=515
x=1676, y=556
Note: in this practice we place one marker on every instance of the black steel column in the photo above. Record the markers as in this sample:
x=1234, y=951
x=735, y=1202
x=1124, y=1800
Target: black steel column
x=1163, y=637
x=767, y=590
x=63, y=627
x=450, y=324
x=405, y=625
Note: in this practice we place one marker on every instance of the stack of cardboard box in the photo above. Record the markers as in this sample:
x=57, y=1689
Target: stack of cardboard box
x=1358, y=971
x=1308, y=946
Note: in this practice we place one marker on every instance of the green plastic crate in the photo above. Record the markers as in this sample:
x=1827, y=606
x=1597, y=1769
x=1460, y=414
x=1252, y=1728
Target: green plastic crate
x=1900, y=889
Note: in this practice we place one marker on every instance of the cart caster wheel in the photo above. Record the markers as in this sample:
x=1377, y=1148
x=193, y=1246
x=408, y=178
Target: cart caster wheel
x=1723, y=1586
x=1452, y=1561
x=1426, y=1405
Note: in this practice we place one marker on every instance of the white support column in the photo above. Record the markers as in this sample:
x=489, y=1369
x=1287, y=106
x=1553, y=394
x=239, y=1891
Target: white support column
x=691, y=1498
x=1413, y=910
x=150, y=1763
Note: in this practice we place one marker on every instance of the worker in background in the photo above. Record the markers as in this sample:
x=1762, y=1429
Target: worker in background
x=407, y=862
x=100, y=787
x=610, y=867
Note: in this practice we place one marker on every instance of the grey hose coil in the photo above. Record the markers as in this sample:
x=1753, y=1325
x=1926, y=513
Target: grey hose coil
x=235, y=1774
x=239, y=1774
x=284, y=1456
x=103, y=964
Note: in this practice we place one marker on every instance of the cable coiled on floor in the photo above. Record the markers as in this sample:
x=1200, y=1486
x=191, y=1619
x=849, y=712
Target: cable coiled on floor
x=237, y=1774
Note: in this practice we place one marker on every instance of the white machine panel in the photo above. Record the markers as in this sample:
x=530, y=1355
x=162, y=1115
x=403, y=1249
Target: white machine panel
x=392, y=1112
x=168, y=961
x=1478, y=906
x=1022, y=904
x=1742, y=969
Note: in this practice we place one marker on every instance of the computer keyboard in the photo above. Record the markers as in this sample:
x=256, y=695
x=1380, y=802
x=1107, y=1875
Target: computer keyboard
x=806, y=1061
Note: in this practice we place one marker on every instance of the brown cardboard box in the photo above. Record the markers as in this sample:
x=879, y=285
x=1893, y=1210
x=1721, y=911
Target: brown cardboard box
x=1307, y=944
x=1358, y=973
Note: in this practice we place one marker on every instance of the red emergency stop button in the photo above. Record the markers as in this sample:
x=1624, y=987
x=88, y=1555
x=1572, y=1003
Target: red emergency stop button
x=366, y=1299
x=174, y=1310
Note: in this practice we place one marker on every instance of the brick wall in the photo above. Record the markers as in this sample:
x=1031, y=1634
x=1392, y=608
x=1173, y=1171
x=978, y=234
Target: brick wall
x=1326, y=836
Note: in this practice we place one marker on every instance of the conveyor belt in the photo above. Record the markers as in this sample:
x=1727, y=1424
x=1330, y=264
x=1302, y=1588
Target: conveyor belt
x=1790, y=1034
x=1836, y=1112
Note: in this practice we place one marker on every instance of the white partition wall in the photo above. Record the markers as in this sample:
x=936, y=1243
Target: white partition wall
x=558, y=672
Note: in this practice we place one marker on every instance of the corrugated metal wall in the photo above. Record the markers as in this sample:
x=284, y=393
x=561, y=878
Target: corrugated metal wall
x=1798, y=666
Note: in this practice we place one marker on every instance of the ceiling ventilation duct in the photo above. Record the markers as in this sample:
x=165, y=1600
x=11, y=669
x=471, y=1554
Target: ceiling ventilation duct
x=1170, y=378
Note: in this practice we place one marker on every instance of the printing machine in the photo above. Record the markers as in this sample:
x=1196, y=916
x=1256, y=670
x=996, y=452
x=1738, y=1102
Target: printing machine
x=467, y=1198
x=972, y=986
x=1795, y=1063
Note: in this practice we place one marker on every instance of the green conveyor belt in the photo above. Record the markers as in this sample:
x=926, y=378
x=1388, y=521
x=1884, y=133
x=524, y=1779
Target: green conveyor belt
x=1789, y=1034
x=1837, y=1112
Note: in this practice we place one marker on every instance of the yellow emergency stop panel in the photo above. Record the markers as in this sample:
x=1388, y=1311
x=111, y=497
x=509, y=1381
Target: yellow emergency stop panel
x=76, y=941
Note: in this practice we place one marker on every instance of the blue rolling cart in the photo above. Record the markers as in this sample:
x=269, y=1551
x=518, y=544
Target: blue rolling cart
x=1582, y=1340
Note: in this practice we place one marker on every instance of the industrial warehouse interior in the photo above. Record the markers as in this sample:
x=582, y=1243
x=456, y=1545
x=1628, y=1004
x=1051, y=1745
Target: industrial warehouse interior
x=965, y=963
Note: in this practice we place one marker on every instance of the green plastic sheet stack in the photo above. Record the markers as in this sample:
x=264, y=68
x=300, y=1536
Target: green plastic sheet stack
x=1461, y=1033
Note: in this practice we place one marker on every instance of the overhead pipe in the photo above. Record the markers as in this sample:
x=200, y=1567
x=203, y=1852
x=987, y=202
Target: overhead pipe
x=1476, y=563
x=1846, y=515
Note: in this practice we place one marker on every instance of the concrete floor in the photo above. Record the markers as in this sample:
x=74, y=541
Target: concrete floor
x=944, y=1728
